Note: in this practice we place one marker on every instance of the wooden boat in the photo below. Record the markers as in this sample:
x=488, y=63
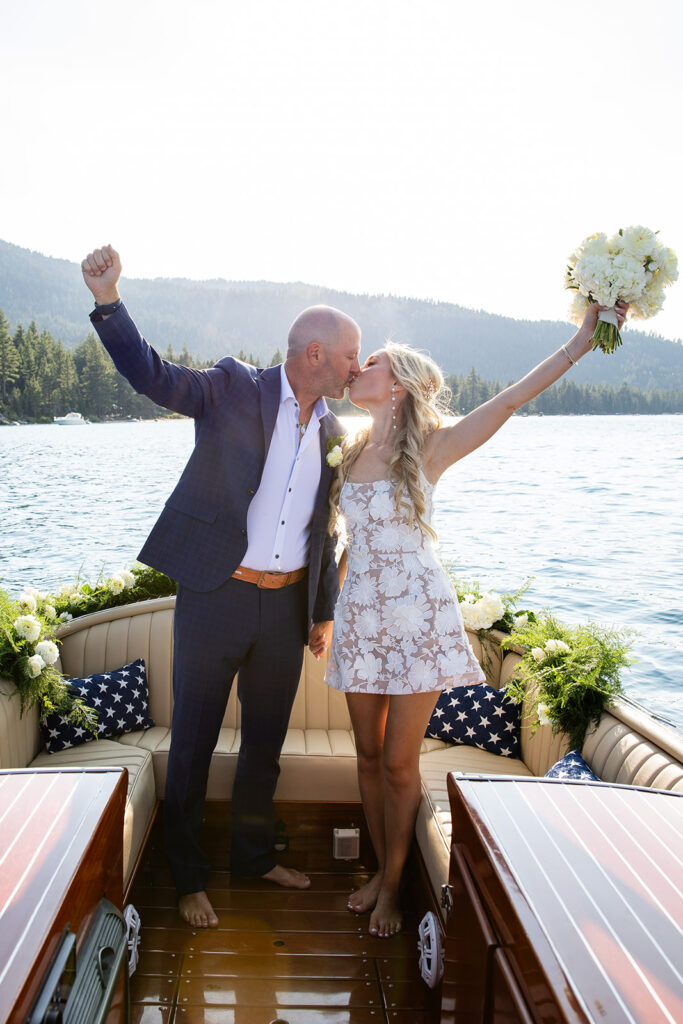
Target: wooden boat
x=297, y=957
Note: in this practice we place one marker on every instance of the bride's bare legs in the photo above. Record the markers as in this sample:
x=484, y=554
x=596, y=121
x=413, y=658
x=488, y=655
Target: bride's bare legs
x=406, y=725
x=368, y=713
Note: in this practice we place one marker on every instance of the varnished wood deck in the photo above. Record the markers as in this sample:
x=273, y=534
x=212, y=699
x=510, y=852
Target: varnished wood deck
x=278, y=955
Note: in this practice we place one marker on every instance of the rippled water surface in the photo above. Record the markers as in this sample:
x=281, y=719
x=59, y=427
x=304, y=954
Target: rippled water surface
x=588, y=506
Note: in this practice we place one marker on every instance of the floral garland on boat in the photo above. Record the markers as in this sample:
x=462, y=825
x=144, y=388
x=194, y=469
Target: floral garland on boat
x=29, y=635
x=566, y=676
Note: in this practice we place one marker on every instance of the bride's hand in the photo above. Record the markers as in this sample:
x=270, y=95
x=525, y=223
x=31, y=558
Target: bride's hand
x=319, y=638
x=590, y=319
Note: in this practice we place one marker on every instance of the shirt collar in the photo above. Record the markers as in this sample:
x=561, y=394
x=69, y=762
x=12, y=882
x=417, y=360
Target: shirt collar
x=320, y=408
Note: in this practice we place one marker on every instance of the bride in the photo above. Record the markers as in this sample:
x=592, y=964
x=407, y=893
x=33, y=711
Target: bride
x=399, y=638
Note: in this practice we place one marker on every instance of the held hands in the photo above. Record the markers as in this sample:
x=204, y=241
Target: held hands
x=101, y=272
x=319, y=638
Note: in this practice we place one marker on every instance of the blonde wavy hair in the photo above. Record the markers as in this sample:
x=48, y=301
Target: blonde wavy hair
x=421, y=412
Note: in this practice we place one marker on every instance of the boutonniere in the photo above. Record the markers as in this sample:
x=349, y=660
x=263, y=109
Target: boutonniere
x=334, y=452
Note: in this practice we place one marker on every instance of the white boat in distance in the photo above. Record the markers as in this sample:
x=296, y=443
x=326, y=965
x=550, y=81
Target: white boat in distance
x=72, y=419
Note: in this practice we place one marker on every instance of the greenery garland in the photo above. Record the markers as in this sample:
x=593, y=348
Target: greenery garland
x=567, y=674
x=29, y=635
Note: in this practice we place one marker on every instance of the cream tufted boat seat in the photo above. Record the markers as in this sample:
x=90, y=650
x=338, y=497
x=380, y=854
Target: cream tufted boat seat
x=318, y=758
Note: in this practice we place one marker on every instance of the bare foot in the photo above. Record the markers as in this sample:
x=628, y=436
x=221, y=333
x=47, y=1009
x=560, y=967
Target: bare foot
x=386, y=919
x=287, y=877
x=366, y=897
x=195, y=908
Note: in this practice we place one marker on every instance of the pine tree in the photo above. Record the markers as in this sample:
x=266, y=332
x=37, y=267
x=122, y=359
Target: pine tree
x=9, y=361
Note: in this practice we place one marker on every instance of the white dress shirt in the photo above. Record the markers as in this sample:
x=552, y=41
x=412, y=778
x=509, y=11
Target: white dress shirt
x=280, y=513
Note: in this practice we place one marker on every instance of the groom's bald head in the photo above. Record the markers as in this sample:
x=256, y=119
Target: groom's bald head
x=323, y=324
x=322, y=350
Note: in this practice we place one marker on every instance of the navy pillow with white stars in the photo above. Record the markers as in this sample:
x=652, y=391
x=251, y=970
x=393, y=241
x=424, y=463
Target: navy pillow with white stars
x=121, y=699
x=477, y=716
x=572, y=766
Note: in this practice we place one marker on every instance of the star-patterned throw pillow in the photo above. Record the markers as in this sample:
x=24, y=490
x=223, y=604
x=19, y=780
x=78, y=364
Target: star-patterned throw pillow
x=477, y=716
x=572, y=766
x=120, y=698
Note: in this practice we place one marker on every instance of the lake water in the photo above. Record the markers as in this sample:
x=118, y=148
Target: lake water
x=588, y=506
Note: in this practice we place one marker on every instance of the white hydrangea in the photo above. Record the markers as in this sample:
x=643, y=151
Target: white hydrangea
x=35, y=665
x=65, y=617
x=483, y=613
x=48, y=651
x=666, y=262
x=537, y=653
x=128, y=579
x=520, y=620
x=577, y=308
x=28, y=627
x=27, y=600
x=115, y=585
x=49, y=612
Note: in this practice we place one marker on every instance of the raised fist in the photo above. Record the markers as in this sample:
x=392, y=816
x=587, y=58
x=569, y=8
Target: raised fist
x=101, y=272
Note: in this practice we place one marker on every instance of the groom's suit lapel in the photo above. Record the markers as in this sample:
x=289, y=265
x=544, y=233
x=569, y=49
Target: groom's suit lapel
x=270, y=387
x=325, y=470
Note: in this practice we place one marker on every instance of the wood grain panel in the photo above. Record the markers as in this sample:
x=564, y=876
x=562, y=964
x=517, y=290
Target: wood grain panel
x=282, y=966
x=282, y=992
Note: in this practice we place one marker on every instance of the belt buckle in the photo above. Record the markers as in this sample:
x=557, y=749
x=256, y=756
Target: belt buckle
x=264, y=583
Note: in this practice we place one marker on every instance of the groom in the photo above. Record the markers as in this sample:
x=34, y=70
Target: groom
x=244, y=533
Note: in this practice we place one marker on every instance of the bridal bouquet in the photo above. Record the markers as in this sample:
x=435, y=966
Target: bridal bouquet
x=632, y=266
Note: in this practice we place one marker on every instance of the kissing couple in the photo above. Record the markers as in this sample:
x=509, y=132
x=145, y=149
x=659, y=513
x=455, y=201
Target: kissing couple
x=250, y=535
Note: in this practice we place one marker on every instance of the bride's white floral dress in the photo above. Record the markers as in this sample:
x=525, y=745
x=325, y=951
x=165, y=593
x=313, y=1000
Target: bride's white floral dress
x=397, y=625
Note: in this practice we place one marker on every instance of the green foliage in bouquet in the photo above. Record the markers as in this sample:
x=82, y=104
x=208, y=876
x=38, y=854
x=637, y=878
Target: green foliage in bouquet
x=29, y=635
x=570, y=673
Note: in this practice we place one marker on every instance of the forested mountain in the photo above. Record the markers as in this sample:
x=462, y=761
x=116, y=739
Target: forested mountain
x=214, y=318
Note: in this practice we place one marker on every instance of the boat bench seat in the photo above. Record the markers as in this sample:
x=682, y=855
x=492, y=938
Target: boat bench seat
x=318, y=758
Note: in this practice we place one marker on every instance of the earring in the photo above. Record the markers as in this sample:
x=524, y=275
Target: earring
x=393, y=406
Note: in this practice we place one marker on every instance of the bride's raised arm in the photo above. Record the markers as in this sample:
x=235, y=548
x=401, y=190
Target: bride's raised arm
x=449, y=444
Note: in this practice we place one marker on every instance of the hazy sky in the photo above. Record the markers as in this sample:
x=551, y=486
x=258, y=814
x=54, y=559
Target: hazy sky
x=443, y=149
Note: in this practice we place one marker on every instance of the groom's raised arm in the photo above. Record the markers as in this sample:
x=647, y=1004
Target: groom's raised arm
x=174, y=387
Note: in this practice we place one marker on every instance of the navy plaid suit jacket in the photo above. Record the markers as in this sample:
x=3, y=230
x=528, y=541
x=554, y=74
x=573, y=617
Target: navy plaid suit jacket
x=201, y=535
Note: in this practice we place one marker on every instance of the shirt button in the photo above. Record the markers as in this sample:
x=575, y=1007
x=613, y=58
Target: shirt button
x=290, y=490
x=244, y=533
x=250, y=490
x=282, y=523
x=277, y=556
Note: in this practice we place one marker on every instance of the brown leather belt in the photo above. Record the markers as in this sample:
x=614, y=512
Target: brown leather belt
x=266, y=579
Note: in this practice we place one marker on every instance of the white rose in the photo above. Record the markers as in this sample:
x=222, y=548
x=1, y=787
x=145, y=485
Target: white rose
x=543, y=714
x=520, y=620
x=492, y=606
x=334, y=456
x=35, y=666
x=27, y=627
x=48, y=651
x=468, y=599
x=49, y=613
x=65, y=617
x=553, y=646
x=128, y=579
x=115, y=585
x=637, y=241
x=27, y=600
x=537, y=653
x=666, y=262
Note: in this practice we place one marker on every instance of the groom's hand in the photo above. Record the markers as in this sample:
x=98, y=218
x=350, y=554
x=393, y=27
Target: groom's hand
x=101, y=272
x=319, y=638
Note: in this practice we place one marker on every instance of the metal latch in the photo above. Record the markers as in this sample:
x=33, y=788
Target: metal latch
x=447, y=898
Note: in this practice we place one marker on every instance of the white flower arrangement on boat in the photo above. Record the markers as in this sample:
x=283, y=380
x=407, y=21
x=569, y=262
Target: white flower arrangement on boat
x=632, y=266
